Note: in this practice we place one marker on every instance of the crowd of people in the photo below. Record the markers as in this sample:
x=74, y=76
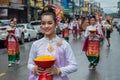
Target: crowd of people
x=95, y=30
x=79, y=26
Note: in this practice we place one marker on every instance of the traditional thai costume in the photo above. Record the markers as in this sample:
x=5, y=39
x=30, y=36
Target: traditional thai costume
x=84, y=25
x=74, y=29
x=98, y=31
x=92, y=49
x=13, y=46
x=79, y=28
x=63, y=53
x=66, y=32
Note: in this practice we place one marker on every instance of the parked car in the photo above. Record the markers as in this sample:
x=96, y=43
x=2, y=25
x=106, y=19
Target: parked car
x=118, y=27
x=59, y=28
x=4, y=25
x=116, y=22
x=29, y=31
x=36, y=25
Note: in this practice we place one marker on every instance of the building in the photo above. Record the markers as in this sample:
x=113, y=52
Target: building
x=13, y=8
x=23, y=10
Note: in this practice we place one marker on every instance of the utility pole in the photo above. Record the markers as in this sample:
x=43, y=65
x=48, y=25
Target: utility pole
x=28, y=11
x=43, y=3
x=35, y=9
x=79, y=8
x=119, y=8
x=73, y=6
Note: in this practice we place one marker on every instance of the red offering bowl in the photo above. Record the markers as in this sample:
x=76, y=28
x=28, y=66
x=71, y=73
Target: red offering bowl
x=44, y=64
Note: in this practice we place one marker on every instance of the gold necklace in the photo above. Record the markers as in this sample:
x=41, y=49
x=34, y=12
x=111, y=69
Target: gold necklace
x=50, y=47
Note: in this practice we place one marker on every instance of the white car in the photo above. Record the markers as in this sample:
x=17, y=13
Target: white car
x=59, y=28
x=29, y=31
x=118, y=27
x=36, y=25
x=4, y=25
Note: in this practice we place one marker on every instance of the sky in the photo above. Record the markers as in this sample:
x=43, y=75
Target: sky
x=109, y=6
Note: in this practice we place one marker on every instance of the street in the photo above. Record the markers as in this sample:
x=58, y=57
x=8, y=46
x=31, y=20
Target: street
x=107, y=69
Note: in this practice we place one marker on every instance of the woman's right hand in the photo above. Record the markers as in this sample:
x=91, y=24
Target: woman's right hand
x=37, y=70
x=10, y=35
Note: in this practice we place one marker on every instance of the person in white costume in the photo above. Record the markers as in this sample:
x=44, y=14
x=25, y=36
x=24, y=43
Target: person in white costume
x=54, y=46
x=93, y=25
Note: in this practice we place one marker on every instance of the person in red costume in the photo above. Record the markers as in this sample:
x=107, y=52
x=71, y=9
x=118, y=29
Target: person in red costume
x=12, y=44
x=91, y=45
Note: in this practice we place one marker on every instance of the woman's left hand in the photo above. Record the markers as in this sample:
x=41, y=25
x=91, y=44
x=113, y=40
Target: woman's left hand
x=52, y=71
x=12, y=34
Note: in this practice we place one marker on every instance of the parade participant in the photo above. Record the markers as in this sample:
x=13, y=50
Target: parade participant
x=92, y=48
x=66, y=31
x=93, y=24
x=74, y=25
x=99, y=23
x=85, y=24
x=103, y=29
x=108, y=30
x=80, y=27
x=103, y=20
x=12, y=44
x=82, y=22
x=52, y=45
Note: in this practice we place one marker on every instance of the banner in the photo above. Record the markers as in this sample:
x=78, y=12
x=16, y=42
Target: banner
x=16, y=1
x=4, y=2
x=65, y=3
x=3, y=12
x=83, y=3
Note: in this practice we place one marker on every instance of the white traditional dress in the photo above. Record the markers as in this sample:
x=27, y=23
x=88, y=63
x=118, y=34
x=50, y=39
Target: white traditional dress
x=74, y=25
x=66, y=31
x=63, y=53
x=98, y=30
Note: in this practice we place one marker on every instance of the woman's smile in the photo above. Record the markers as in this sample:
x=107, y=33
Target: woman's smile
x=47, y=30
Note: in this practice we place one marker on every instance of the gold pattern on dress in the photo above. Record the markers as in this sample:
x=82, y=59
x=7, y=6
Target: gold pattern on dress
x=59, y=43
x=50, y=48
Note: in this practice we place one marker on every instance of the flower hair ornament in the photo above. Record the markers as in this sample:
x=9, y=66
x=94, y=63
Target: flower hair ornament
x=54, y=10
x=58, y=13
x=46, y=9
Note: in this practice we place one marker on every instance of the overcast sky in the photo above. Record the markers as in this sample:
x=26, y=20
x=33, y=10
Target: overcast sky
x=109, y=5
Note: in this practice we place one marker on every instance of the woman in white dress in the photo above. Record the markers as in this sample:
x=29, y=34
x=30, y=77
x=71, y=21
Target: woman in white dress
x=54, y=46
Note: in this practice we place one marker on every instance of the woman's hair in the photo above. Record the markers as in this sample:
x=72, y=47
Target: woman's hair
x=108, y=21
x=49, y=10
x=93, y=17
x=11, y=19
